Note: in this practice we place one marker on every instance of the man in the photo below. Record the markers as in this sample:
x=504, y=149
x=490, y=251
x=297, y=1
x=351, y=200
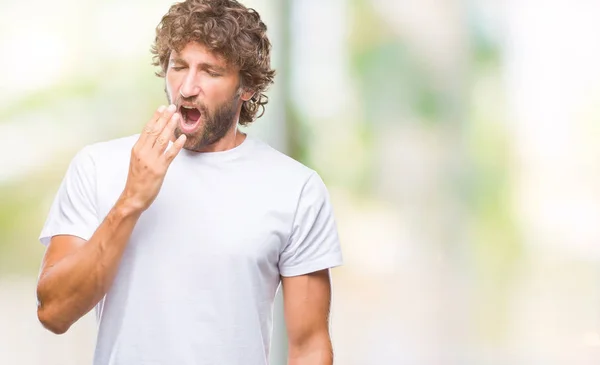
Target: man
x=180, y=236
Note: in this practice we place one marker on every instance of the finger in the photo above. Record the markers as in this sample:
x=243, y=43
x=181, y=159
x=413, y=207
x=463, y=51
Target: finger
x=163, y=139
x=152, y=133
x=149, y=126
x=174, y=149
x=170, y=127
x=163, y=120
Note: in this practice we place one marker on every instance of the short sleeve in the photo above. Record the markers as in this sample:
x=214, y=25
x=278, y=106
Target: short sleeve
x=314, y=243
x=73, y=211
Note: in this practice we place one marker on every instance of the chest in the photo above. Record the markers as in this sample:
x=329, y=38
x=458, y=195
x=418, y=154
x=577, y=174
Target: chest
x=206, y=221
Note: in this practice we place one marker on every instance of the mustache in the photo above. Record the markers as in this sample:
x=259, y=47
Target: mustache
x=197, y=104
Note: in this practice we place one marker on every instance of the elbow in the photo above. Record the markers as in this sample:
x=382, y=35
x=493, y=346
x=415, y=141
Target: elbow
x=51, y=321
x=316, y=346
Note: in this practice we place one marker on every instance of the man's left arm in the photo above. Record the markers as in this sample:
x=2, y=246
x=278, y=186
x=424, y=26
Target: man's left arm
x=312, y=249
x=307, y=300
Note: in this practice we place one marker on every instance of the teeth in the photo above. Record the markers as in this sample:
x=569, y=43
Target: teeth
x=187, y=107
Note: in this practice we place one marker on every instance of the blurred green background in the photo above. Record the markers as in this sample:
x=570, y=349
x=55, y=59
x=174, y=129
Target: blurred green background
x=458, y=140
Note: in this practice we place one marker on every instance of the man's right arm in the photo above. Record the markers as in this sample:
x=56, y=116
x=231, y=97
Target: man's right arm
x=75, y=273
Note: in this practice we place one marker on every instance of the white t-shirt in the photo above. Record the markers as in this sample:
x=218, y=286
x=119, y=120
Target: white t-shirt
x=198, y=277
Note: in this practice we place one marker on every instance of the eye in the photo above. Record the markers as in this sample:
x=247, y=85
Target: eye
x=213, y=74
x=177, y=68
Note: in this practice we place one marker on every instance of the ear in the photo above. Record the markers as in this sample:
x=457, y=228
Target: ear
x=247, y=95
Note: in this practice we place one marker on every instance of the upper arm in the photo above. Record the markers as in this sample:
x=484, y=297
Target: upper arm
x=307, y=300
x=72, y=218
x=312, y=249
x=73, y=210
x=313, y=243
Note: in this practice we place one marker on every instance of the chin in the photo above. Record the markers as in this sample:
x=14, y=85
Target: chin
x=194, y=141
x=192, y=145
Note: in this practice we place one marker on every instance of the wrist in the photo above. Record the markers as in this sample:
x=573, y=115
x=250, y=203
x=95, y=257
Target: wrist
x=126, y=206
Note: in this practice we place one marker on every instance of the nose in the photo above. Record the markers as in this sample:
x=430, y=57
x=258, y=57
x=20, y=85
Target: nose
x=190, y=86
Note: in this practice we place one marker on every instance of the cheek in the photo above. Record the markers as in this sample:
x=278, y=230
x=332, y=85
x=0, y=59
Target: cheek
x=172, y=81
x=219, y=91
x=169, y=83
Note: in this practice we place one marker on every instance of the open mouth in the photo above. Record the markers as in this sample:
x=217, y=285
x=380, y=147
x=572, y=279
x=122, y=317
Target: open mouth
x=190, y=115
x=190, y=119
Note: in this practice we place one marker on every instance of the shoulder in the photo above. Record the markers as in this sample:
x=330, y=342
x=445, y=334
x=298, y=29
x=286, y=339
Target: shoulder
x=286, y=177
x=106, y=150
x=101, y=155
x=278, y=165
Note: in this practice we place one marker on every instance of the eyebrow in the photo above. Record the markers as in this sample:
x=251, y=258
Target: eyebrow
x=202, y=65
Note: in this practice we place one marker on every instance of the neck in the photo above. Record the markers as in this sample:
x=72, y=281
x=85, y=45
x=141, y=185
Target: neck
x=232, y=139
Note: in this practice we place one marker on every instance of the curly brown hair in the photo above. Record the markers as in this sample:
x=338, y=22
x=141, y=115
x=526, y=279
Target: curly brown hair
x=227, y=28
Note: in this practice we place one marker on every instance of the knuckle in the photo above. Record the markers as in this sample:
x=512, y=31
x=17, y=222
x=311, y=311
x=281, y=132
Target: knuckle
x=153, y=131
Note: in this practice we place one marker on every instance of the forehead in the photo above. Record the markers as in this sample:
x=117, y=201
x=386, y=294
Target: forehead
x=195, y=53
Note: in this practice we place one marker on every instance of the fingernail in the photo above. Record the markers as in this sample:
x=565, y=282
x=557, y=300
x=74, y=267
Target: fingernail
x=161, y=108
x=172, y=107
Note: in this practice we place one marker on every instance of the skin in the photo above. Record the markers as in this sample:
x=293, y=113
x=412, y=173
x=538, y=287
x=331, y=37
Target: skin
x=306, y=303
x=207, y=82
x=76, y=274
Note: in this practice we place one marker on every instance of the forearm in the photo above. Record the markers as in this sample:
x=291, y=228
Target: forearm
x=314, y=351
x=74, y=285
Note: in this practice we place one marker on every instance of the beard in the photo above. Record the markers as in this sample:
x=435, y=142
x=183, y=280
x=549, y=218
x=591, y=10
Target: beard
x=214, y=125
